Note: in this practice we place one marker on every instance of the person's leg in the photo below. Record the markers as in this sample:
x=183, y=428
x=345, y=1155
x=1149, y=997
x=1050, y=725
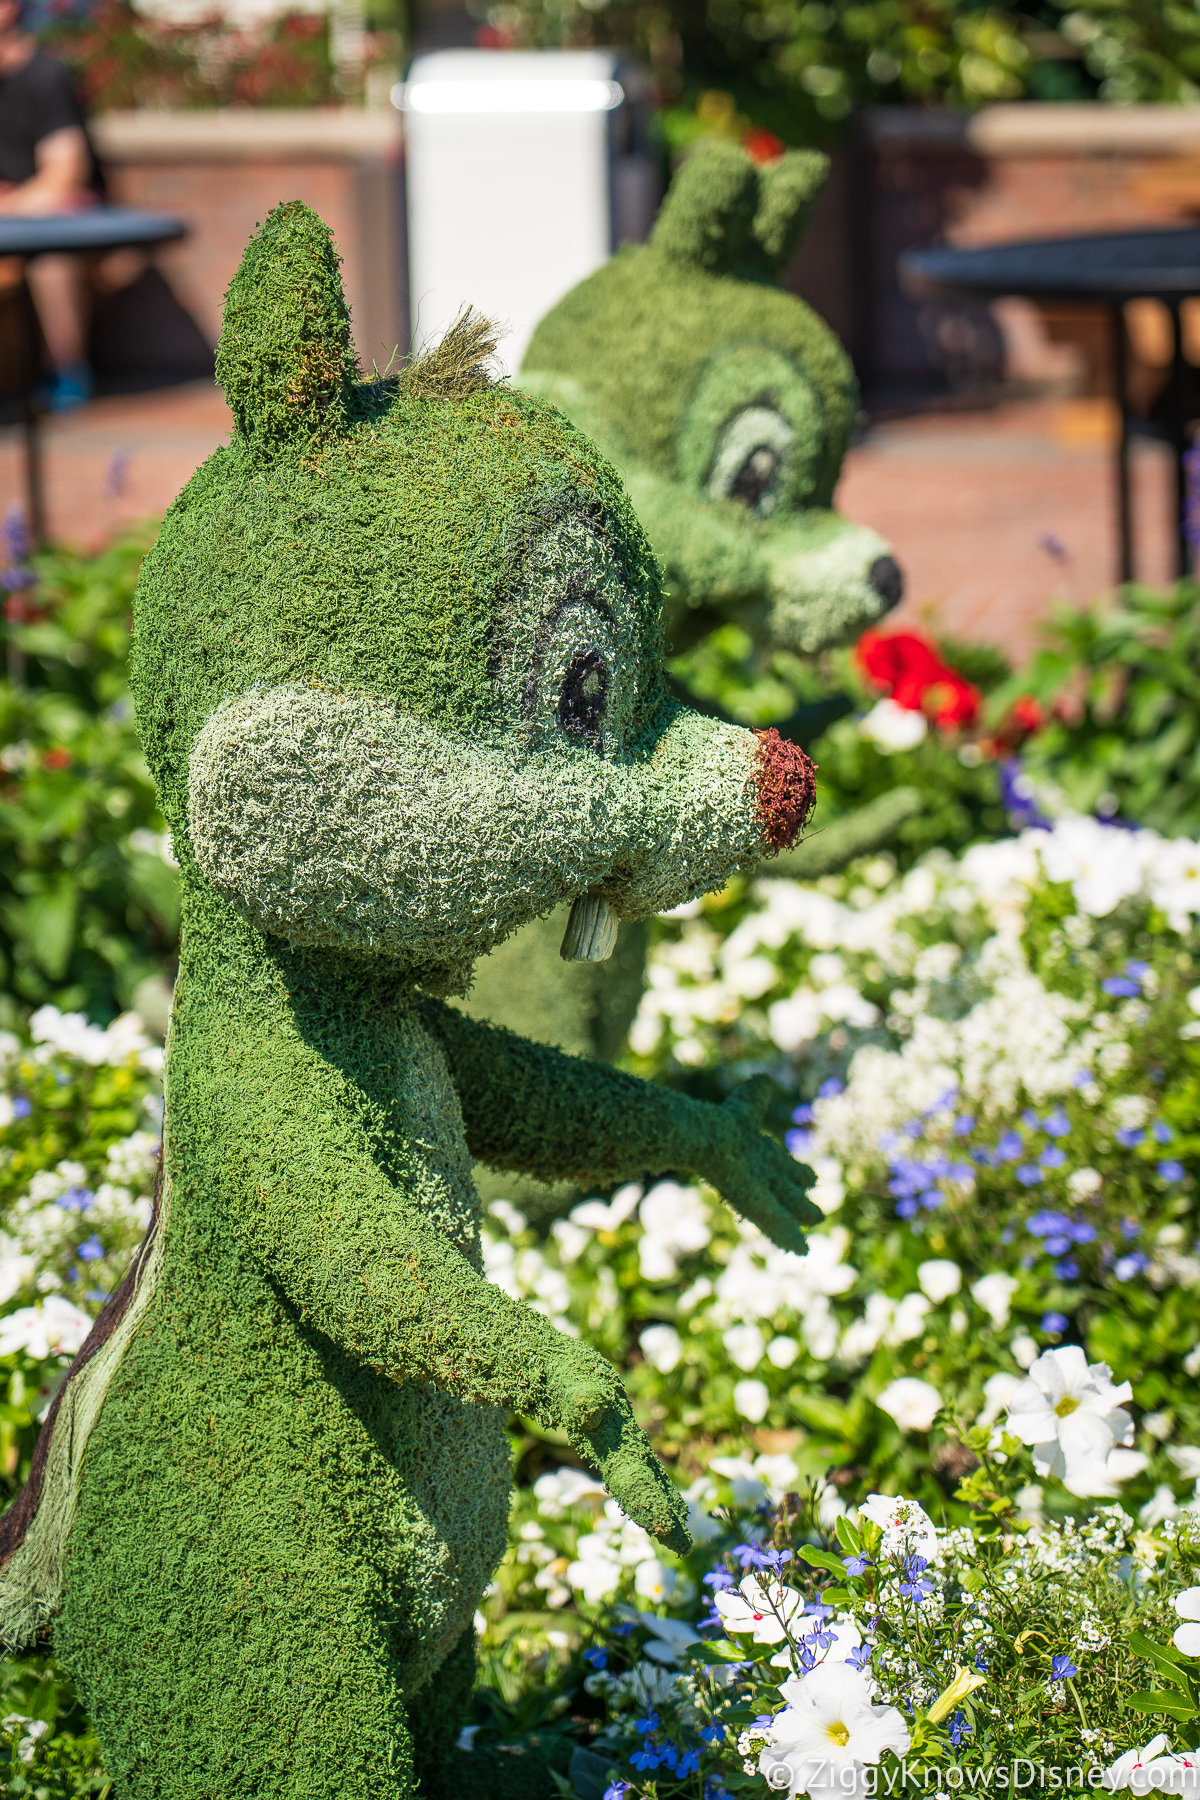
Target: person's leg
x=56, y=283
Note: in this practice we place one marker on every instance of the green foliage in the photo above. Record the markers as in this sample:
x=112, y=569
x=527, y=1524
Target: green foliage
x=89, y=903
x=1122, y=688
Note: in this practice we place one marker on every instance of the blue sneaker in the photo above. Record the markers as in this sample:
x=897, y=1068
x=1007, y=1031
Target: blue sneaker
x=68, y=388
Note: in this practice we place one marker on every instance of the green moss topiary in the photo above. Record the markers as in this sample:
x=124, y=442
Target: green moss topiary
x=398, y=677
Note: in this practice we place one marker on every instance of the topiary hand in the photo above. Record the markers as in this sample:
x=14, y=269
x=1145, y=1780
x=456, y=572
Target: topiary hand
x=755, y=1175
x=587, y=1401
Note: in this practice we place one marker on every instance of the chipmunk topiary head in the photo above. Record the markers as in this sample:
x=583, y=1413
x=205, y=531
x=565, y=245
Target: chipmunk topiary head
x=431, y=618
x=727, y=405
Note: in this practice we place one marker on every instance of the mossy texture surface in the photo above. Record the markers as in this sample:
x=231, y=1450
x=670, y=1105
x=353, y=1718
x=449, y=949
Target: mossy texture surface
x=380, y=638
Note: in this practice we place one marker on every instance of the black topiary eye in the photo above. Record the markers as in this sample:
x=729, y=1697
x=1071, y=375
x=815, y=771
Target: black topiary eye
x=756, y=477
x=582, y=696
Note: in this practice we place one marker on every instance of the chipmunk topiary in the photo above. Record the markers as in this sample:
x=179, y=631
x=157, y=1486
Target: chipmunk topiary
x=727, y=404
x=398, y=675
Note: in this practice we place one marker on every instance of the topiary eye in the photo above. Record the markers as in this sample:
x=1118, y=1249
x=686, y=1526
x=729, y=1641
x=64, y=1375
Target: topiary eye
x=749, y=464
x=582, y=697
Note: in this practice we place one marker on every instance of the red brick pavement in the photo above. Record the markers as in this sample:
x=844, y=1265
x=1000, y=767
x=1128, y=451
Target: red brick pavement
x=969, y=501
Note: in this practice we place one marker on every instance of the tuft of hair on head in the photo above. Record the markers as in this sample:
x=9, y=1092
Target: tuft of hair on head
x=458, y=365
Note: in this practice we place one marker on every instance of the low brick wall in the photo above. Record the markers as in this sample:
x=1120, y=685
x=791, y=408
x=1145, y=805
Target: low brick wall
x=224, y=171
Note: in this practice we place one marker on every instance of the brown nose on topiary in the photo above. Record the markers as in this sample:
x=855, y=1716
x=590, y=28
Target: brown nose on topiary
x=787, y=790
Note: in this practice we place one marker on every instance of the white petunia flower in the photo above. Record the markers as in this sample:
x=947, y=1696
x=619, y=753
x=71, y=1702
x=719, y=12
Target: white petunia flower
x=751, y=1400
x=662, y=1347
x=1071, y=1414
x=558, y=1489
x=654, y=1581
x=745, y=1346
x=913, y=1404
x=939, y=1279
x=765, y=1611
x=53, y=1328
x=1187, y=1636
x=829, y=1733
x=995, y=1293
x=891, y=727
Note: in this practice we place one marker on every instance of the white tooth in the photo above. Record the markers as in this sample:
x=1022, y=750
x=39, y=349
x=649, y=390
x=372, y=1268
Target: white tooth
x=591, y=934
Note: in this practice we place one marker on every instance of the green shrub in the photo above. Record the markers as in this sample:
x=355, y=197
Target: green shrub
x=89, y=906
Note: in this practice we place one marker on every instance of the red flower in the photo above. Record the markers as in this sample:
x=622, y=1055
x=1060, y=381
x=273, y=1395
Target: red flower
x=917, y=679
x=1027, y=714
x=57, y=759
x=762, y=146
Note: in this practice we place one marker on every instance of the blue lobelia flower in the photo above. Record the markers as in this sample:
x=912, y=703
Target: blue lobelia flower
x=91, y=1250
x=859, y=1657
x=959, y=1729
x=829, y=1089
x=597, y=1658
x=21, y=1107
x=688, y=1763
x=964, y=1125
x=803, y=1115
x=648, y=1724
x=1055, y=1321
x=617, y=1788
x=720, y=1579
x=1121, y=987
x=1056, y=1124
x=1010, y=1146
x=857, y=1565
x=1162, y=1131
x=713, y=1734
x=1029, y=1174
x=911, y=1585
x=1052, y=1157
x=1131, y=1136
x=1066, y=1269
x=644, y=1759
x=1061, y=1667
x=1171, y=1170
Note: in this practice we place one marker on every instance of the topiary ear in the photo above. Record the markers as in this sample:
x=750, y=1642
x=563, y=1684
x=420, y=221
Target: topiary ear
x=788, y=191
x=708, y=215
x=285, y=358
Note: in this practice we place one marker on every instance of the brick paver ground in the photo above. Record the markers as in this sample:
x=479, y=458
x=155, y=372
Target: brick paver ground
x=992, y=514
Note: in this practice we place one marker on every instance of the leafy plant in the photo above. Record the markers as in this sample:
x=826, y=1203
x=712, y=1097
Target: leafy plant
x=89, y=906
x=1121, y=691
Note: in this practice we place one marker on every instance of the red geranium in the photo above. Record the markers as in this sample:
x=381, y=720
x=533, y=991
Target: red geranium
x=762, y=146
x=909, y=668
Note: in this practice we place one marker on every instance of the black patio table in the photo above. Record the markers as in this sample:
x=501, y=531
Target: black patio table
x=97, y=228
x=1105, y=271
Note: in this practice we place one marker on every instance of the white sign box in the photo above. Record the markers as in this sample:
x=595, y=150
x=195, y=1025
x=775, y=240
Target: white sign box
x=509, y=179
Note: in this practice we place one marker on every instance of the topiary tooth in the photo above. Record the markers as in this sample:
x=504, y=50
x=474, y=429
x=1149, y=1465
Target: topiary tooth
x=591, y=934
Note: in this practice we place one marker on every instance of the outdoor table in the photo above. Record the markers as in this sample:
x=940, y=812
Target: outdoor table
x=1105, y=271
x=97, y=228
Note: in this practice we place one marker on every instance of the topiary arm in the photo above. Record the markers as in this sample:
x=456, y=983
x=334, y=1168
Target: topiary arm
x=530, y=1108
x=356, y=1256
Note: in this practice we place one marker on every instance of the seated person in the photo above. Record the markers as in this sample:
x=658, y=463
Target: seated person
x=47, y=165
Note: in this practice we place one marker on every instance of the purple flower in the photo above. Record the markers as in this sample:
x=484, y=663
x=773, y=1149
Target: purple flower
x=1162, y=1131
x=616, y=1788
x=911, y=1585
x=912, y=1128
x=1054, y=1321
x=1083, y=1232
x=597, y=1658
x=720, y=1579
x=1017, y=796
x=1120, y=987
x=688, y=1763
x=981, y=1665
x=964, y=1125
x=905, y=1209
x=80, y=1197
x=1010, y=1146
x=1052, y=1157
x=644, y=1759
x=1127, y=1267
x=830, y=1088
x=751, y=1556
x=1130, y=1229
x=21, y=1106
x=1066, y=1269
x=1171, y=1170
x=1061, y=1668
x=1139, y=970
x=857, y=1565
x=648, y=1724
x=1056, y=1246
x=799, y=1143
x=713, y=1734
x=1082, y=1078
x=100, y=1295
x=1047, y=1223
x=1030, y=1119
x=1057, y=1124
x=803, y=1115
x=1029, y=1174
x=959, y=1729
x=14, y=535
x=932, y=1199
x=91, y=1250
x=1130, y=1136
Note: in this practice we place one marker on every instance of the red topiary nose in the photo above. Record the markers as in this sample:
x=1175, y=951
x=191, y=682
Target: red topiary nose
x=787, y=790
